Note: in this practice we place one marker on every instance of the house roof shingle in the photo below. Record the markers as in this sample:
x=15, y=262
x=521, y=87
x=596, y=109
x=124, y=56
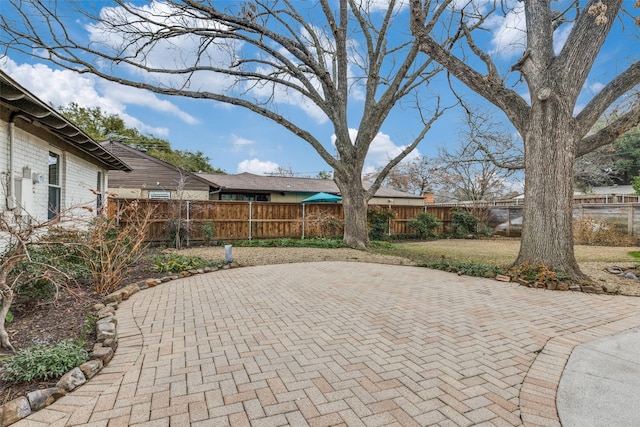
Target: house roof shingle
x=250, y=182
x=150, y=172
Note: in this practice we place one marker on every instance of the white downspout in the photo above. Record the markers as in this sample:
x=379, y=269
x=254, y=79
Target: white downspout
x=11, y=196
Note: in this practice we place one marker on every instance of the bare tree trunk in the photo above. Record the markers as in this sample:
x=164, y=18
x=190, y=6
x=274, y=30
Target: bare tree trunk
x=6, y=294
x=547, y=236
x=354, y=204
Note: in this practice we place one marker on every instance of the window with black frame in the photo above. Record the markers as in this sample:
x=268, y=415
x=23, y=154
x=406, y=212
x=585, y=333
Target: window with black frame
x=54, y=185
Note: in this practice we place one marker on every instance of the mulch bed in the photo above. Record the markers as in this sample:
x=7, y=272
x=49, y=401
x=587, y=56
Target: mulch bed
x=65, y=318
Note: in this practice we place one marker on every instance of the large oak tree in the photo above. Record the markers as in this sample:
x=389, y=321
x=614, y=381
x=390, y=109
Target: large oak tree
x=349, y=62
x=554, y=131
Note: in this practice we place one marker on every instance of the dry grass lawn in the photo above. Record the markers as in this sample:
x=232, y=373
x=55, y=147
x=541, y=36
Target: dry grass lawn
x=503, y=252
x=593, y=260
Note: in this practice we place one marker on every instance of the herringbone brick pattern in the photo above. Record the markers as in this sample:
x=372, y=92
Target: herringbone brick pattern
x=328, y=344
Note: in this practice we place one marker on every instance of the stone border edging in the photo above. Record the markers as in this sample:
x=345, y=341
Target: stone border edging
x=101, y=354
x=540, y=385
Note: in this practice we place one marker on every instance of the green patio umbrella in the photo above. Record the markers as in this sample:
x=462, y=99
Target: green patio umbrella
x=322, y=198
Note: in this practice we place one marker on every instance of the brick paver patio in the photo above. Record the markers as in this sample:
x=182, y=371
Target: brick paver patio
x=325, y=344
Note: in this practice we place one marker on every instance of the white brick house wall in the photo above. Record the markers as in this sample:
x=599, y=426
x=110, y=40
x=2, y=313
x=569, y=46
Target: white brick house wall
x=78, y=176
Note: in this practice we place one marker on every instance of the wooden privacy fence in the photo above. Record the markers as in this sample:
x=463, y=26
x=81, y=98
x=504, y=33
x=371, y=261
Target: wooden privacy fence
x=208, y=221
x=202, y=221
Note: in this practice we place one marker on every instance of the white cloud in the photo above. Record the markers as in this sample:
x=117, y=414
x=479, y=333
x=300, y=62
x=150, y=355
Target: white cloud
x=595, y=87
x=144, y=98
x=382, y=5
x=381, y=151
x=167, y=53
x=257, y=167
x=509, y=32
x=560, y=37
x=61, y=87
x=243, y=144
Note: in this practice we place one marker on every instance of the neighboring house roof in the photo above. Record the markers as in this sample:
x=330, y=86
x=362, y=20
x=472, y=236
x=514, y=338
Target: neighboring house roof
x=148, y=171
x=250, y=182
x=21, y=101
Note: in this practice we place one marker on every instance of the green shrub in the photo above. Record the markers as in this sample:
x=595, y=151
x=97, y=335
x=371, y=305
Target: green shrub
x=176, y=262
x=207, y=229
x=38, y=290
x=464, y=223
x=466, y=268
x=89, y=326
x=379, y=223
x=43, y=362
x=424, y=224
x=58, y=257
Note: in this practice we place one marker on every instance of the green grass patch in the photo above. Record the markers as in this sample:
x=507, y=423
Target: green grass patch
x=291, y=243
x=44, y=362
x=176, y=263
x=634, y=254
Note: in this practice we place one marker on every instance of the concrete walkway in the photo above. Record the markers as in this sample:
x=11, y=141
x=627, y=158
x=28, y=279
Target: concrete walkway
x=339, y=343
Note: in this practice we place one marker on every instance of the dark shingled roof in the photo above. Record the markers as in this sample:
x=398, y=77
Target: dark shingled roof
x=250, y=182
x=20, y=100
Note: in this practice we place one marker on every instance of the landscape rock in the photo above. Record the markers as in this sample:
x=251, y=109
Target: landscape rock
x=152, y=282
x=614, y=270
x=124, y=294
x=105, y=331
x=132, y=289
x=106, y=311
x=184, y=274
x=630, y=275
x=111, y=342
x=113, y=297
x=110, y=318
x=71, y=380
x=503, y=278
x=42, y=398
x=103, y=353
x=98, y=307
x=562, y=287
x=91, y=368
x=14, y=410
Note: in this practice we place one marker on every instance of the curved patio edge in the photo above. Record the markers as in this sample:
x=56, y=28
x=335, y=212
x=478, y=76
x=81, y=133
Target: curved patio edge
x=123, y=339
x=540, y=386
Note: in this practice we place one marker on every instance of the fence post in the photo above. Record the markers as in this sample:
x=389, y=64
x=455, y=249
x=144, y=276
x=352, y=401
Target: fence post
x=630, y=220
x=188, y=225
x=250, y=215
x=303, y=221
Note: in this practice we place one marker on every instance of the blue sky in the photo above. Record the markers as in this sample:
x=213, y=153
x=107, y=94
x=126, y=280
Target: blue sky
x=238, y=140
